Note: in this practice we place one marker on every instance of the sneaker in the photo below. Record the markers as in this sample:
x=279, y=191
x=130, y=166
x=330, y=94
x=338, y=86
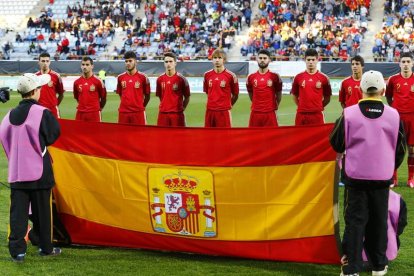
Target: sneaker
x=19, y=258
x=55, y=252
x=380, y=272
x=394, y=183
x=410, y=183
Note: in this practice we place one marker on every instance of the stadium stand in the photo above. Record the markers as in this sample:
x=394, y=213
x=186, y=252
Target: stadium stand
x=396, y=35
x=191, y=29
x=334, y=28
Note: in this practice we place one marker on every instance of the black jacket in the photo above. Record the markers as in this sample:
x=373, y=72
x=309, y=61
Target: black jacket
x=49, y=132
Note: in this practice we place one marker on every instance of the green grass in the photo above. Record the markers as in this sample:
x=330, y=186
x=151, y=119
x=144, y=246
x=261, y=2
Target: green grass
x=113, y=261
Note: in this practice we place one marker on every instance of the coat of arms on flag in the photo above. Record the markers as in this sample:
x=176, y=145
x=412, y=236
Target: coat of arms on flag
x=182, y=202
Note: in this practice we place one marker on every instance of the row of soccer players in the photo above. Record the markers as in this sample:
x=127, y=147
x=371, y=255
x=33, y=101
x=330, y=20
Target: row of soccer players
x=220, y=85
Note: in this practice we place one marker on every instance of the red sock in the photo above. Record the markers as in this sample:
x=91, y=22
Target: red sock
x=410, y=161
x=395, y=175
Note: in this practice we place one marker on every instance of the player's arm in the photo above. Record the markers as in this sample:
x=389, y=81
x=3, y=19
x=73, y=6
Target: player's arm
x=102, y=95
x=59, y=90
x=389, y=92
x=295, y=91
x=278, y=89
x=147, y=91
x=158, y=89
x=186, y=93
x=75, y=91
x=234, y=90
x=327, y=92
x=249, y=88
x=326, y=100
x=342, y=95
x=119, y=87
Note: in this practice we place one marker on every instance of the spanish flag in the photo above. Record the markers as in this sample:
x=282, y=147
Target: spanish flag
x=253, y=193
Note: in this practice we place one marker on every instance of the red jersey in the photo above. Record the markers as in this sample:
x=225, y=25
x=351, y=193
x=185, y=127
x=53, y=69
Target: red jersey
x=48, y=91
x=132, y=88
x=350, y=92
x=402, y=91
x=89, y=92
x=219, y=88
x=171, y=91
x=264, y=88
x=310, y=90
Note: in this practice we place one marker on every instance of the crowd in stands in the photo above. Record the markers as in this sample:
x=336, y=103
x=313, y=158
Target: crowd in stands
x=396, y=35
x=190, y=28
x=87, y=29
x=287, y=28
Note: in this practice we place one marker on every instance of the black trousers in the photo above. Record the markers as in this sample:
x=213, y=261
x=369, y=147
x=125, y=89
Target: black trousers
x=366, y=214
x=41, y=202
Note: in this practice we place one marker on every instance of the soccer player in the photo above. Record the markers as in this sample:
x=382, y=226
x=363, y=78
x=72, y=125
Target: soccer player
x=54, y=87
x=90, y=93
x=134, y=89
x=265, y=92
x=400, y=95
x=350, y=92
x=222, y=88
x=174, y=93
x=311, y=92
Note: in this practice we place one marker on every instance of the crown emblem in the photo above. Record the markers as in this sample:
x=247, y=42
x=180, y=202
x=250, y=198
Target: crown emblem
x=180, y=182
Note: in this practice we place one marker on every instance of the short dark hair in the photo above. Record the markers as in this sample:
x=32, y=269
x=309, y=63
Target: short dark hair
x=171, y=55
x=405, y=55
x=359, y=59
x=130, y=54
x=44, y=54
x=311, y=53
x=263, y=52
x=86, y=58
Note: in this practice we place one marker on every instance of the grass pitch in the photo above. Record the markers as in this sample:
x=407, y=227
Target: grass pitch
x=115, y=261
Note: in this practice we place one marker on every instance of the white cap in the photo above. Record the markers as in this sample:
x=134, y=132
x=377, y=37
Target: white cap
x=29, y=82
x=372, y=79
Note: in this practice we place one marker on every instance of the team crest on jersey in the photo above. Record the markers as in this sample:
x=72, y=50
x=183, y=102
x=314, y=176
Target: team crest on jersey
x=182, y=202
x=92, y=88
x=50, y=84
x=223, y=83
x=412, y=88
x=137, y=84
x=123, y=84
x=175, y=87
x=269, y=83
x=318, y=84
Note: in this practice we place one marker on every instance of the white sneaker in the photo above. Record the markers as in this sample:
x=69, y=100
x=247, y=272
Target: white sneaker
x=355, y=274
x=381, y=272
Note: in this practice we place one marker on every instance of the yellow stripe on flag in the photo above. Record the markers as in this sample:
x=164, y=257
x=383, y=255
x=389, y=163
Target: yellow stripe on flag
x=251, y=203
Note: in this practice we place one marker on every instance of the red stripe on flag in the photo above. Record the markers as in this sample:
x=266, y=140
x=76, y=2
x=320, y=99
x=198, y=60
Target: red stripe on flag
x=198, y=146
x=313, y=250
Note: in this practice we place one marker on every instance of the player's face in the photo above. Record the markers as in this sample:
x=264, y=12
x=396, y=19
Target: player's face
x=356, y=67
x=44, y=63
x=130, y=64
x=218, y=61
x=311, y=63
x=263, y=61
x=169, y=64
x=86, y=67
x=406, y=65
